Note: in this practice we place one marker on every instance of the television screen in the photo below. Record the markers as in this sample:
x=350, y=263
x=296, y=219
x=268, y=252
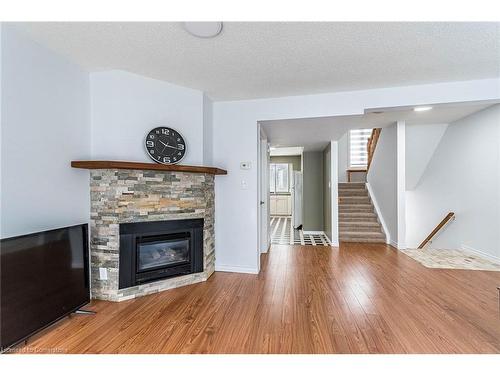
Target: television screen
x=43, y=277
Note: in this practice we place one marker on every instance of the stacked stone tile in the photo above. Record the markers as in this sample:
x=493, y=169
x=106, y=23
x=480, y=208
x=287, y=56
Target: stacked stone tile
x=124, y=196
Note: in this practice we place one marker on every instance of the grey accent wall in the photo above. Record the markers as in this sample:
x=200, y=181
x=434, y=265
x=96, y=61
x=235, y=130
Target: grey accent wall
x=327, y=201
x=296, y=160
x=313, y=190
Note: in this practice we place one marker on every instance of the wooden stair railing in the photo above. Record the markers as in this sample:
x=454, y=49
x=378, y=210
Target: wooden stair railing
x=372, y=145
x=443, y=222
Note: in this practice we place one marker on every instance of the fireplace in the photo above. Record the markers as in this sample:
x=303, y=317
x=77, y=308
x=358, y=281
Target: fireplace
x=124, y=196
x=156, y=250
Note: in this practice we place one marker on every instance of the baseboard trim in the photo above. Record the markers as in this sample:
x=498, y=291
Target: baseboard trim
x=480, y=253
x=236, y=269
x=267, y=250
x=394, y=244
x=379, y=214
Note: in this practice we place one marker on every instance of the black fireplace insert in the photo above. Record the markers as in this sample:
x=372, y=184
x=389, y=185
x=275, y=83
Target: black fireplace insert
x=157, y=250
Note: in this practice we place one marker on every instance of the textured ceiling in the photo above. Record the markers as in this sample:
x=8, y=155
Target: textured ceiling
x=270, y=59
x=314, y=133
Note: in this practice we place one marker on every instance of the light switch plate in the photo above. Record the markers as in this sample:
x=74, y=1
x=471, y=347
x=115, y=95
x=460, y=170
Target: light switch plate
x=103, y=273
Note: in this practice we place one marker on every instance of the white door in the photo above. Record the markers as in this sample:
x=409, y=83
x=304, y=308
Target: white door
x=264, y=240
x=297, y=199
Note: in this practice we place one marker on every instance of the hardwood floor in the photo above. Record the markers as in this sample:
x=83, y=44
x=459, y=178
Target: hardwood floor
x=361, y=298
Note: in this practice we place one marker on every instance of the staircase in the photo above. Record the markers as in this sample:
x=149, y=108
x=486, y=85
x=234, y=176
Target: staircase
x=358, y=221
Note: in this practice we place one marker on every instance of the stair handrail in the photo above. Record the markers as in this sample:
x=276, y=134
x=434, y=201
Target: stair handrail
x=372, y=145
x=448, y=217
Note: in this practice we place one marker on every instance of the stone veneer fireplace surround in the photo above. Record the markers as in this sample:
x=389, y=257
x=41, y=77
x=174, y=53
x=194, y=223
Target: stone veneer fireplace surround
x=125, y=192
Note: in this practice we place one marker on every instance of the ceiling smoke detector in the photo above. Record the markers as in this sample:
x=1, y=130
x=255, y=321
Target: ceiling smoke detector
x=203, y=29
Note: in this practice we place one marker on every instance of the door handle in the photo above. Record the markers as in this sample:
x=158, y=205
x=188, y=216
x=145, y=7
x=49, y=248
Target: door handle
x=262, y=202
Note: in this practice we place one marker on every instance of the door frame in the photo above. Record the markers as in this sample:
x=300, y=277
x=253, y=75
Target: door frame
x=263, y=195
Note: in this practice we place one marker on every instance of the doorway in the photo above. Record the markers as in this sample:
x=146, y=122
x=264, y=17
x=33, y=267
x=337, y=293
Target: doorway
x=285, y=184
x=264, y=238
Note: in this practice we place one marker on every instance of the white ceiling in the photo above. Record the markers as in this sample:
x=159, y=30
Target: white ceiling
x=270, y=59
x=286, y=151
x=314, y=133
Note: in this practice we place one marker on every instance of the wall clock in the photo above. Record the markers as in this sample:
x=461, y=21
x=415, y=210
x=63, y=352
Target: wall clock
x=165, y=145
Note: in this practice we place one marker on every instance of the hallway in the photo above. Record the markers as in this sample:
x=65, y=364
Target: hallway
x=283, y=233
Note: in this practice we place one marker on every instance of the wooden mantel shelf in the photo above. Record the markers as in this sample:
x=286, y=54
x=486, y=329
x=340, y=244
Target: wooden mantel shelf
x=110, y=164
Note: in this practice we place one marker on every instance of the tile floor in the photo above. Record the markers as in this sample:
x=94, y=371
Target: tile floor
x=283, y=233
x=451, y=259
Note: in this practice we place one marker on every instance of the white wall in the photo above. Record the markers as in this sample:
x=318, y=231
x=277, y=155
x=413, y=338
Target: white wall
x=1, y=126
x=463, y=176
x=327, y=194
x=235, y=140
x=126, y=106
x=53, y=112
x=44, y=125
x=208, y=130
x=382, y=178
x=343, y=148
x=421, y=143
x=401, y=183
x=334, y=191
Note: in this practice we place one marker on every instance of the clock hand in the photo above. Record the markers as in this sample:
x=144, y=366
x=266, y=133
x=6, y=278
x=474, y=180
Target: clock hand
x=172, y=147
x=167, y=145
x=164, y=144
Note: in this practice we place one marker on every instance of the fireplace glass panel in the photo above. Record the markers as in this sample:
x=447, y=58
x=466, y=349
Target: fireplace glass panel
x=162, y=253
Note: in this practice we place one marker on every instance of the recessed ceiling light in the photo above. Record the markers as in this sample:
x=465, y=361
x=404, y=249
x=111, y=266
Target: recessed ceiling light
x=421, y=109
x=203, y=29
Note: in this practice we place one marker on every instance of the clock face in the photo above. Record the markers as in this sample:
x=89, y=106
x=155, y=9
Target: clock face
x=165, y=145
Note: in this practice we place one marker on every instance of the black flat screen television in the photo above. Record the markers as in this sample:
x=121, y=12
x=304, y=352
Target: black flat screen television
x=43, y=277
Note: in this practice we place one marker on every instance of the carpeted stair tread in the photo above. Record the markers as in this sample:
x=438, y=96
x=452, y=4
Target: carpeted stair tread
x=366, y=240
x=358, y=221
x=352, y=185
x=357, y=215
x=367, y=224
x=354, y=200
x=353, y=192
x=361, y=234
x=362, y=207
